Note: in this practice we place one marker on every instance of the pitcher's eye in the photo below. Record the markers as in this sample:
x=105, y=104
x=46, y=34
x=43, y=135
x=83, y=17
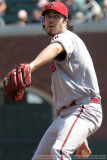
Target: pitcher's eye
x=56, y=16
x=52, y=16
x=47, y=16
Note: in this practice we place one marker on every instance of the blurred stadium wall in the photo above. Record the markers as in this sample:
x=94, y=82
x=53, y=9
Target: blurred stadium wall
x=23, y=124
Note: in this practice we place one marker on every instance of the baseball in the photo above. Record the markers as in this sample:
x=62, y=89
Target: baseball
x=84, y=152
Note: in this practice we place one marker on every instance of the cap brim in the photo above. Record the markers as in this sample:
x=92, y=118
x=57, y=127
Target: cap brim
x=44, y=12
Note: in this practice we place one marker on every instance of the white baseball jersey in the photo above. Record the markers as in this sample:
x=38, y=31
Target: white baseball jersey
x=73, y=78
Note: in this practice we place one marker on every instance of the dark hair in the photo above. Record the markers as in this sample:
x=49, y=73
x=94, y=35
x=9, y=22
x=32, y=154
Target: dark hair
x=69, y=27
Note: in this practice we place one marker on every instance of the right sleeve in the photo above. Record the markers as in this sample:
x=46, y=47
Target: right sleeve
x=65, y=41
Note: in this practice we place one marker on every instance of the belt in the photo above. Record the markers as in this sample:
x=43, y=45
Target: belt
x=95, y=100
x=92, y=100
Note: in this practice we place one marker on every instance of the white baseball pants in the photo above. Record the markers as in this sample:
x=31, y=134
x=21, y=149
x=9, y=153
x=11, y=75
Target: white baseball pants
x=69, y=131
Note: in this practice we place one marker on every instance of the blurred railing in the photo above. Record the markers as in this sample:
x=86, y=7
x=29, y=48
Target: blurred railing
x=36, y=29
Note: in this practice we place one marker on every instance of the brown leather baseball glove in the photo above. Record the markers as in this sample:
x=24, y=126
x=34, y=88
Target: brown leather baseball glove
x=16, y=81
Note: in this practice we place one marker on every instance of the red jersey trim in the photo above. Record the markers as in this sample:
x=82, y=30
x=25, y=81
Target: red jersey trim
x=53, y=66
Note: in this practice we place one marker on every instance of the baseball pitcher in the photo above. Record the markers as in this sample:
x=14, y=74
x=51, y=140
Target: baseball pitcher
x=74, y=86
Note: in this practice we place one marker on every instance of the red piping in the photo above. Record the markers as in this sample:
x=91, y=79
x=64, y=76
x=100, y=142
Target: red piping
x=70, y=132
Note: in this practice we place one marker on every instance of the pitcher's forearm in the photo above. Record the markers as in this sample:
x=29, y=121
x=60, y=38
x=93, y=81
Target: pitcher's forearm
x=46, y=55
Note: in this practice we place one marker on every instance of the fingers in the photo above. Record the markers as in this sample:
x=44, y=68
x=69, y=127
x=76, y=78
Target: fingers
x=83, y=151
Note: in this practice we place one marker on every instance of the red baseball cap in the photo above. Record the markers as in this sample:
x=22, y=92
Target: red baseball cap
x=57, y=6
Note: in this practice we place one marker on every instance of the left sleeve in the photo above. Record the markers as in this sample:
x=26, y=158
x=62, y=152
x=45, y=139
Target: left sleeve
x=65, y=41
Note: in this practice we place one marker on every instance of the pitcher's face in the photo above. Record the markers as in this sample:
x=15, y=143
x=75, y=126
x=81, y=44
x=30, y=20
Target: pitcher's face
x=54, y=23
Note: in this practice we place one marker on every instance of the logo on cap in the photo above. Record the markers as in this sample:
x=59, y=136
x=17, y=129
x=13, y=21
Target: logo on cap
x=53, y=5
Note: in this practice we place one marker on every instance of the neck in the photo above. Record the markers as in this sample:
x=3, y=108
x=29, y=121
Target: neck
x=51, y=37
